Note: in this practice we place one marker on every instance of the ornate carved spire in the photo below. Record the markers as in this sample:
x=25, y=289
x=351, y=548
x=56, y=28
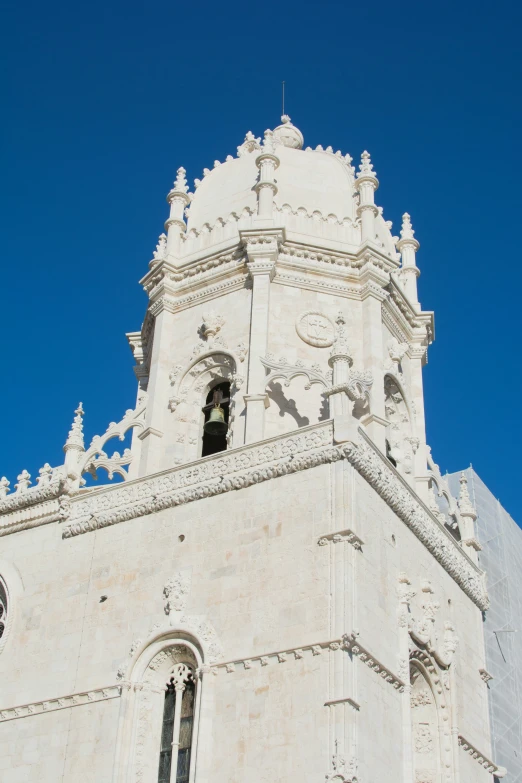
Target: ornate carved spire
x=408, y=246
x=367, y=183
x=178, y=199
x=407, y=231
x=366, y=167
x=75, y=437
x=161, y=251
x=180, y=183
x=465, y=504
x=267, y=162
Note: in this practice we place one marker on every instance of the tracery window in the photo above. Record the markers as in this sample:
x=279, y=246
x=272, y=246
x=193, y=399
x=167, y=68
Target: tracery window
x=178, y=721
x=3, y=609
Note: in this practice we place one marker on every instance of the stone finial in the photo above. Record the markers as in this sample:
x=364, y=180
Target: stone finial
x=180, y=183
x=269, y=141
x=24, y=481
x=249, y=144
x=45, y=475
x=366, y=166
x=407, y=231
x=75, y=437
x=4, y=487
x=161, y=250
x=465, y=505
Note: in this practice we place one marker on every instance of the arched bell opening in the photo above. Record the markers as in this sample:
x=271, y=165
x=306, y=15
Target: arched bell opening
x=216, y=418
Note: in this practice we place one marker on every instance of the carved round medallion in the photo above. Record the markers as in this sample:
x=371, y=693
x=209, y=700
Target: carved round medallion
x=315, y=329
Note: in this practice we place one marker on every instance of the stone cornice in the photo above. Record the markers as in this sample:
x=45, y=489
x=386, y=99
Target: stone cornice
x=207, y=477
x=352, y=644
x=60, y=703
x=416, y=320
x=349, y=643
x=306, y=448
x=279, y=656
x=481, y=759
x=390, y=485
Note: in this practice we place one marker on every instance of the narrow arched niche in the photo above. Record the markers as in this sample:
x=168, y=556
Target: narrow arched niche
x=425, y=729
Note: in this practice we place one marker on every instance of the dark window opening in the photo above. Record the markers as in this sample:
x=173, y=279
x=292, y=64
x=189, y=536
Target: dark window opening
x=389, y=456
x=214, y=443
x=167, y=731
x=184, y=738
x=185, y=733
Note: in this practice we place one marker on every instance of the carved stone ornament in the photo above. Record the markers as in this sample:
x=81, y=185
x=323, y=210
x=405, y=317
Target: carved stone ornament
x=176, y=592
x=344, y=770
x=316, y=329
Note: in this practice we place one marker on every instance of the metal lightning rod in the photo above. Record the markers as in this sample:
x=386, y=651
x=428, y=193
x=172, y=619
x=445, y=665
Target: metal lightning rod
x=283, y=85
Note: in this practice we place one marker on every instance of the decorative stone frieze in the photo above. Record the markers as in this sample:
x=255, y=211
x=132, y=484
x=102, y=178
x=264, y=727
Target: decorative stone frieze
x=253, y=464
x=210, y=476
x=61, y=703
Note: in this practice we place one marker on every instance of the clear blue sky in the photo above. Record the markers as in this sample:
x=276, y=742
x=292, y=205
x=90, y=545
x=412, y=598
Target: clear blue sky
x=102, y=103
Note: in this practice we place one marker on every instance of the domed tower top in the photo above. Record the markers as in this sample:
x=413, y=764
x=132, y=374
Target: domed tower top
x=288, y=135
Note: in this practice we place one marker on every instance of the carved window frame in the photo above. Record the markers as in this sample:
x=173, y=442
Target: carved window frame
x=139, y=740
x=190, y=387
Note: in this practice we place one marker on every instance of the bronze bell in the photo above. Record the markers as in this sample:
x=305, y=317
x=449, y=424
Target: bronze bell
x=216, y=425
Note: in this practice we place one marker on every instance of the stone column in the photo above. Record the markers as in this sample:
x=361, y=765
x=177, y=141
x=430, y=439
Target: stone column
x=405, y=594
x=468, y=516
x=267, y=162
x=178, y=198
x=341, y=405
x=367, y=183
x=262, y=250
x=374, y=351
x=74, y=449
x=408, y=246
x=417, y=355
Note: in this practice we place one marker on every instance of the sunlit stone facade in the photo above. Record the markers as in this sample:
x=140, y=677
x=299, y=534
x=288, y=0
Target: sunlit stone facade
x=288, y=604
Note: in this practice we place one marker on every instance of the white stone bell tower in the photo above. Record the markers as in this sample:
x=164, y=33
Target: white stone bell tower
x=280, y=276
x=281, y=588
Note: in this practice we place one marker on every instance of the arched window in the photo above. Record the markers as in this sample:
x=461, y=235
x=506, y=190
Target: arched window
x=178, y=720
x=217, y=412
x=3, y=609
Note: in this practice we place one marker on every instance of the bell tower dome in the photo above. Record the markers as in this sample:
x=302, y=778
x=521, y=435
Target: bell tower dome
x=281, y=277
